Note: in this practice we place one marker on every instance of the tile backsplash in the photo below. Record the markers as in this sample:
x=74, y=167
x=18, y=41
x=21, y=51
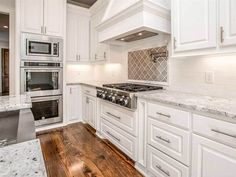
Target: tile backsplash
x=148, y=64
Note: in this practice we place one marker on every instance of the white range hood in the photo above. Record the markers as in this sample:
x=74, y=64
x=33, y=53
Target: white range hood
x=129, y=20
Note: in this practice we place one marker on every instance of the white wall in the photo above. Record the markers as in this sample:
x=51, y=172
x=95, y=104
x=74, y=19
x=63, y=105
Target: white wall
x=185, y=74
x=79, y=73
x=188, y=75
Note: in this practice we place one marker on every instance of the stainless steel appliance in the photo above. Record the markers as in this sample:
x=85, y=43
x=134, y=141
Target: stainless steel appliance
x=41, y=78
x=123, y=94
x=47, y=110
x=41, y=48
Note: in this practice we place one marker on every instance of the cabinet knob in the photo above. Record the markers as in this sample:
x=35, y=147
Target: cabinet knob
x=174, y=43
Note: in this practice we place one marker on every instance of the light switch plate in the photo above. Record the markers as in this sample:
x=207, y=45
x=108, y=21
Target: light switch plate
x=209, y=77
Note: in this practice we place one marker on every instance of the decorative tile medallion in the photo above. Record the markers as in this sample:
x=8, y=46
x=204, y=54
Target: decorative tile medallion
x=148, y=64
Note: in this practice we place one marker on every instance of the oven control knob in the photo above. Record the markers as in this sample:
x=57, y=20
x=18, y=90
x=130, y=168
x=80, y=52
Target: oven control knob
x=113, y=99
x=103, y=96
x=125, y=101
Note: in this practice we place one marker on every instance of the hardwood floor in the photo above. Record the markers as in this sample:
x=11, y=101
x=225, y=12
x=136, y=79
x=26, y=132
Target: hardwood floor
x=74, y=151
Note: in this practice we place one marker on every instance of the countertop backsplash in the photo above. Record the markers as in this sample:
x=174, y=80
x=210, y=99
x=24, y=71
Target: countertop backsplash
x=148, y=65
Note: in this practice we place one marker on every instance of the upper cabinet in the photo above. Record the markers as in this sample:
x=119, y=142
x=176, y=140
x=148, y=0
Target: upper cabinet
x=227, y=22
x=99, y=51
x=43, y=16
x=194, y=24
x=78, y=27
x=202, y=27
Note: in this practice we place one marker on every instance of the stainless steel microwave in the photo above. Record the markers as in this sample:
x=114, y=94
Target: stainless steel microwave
x=41, y=48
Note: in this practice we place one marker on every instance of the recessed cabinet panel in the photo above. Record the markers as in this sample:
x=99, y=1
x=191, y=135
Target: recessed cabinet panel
x=211, y=159
x=78, y=25
x=73, y=103
x=54, y=17
x=227, y=22
x=32, y=16
x=194, y=24
x=72, y=35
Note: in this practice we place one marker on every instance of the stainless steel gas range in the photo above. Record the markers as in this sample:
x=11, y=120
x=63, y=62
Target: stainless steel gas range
x=123, y=94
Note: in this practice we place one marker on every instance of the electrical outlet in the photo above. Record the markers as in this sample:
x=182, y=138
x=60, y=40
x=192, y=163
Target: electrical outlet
x=209, y=77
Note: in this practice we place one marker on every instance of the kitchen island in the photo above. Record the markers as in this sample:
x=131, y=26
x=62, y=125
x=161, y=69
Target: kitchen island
x=23, y=159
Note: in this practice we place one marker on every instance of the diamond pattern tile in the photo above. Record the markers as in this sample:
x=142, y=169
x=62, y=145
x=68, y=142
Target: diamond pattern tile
x=148, y=64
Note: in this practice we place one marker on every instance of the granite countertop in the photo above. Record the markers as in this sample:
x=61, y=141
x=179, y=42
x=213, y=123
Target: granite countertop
x=23, y=159
x=90, y=83
x=206, y=104
x=14, y=102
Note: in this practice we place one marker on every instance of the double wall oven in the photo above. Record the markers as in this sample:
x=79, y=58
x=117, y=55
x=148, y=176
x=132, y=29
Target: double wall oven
x=42, y=76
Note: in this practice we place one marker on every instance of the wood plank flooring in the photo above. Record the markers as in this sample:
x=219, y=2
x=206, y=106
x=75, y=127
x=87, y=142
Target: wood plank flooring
x=74, y=151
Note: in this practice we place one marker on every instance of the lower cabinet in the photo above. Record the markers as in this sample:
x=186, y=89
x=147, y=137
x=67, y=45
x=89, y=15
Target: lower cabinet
x=73, y=103
x=212, y=159
x=89, y=109
x=162, y=165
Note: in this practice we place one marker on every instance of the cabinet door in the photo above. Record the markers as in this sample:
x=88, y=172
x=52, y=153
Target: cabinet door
x=212, y=159
x=228, y=22
x=54, y=17
x=32, y=16
x=194, y=24
x=73, y=103
x=83, y=37
x=72, y=35
x=92, y=110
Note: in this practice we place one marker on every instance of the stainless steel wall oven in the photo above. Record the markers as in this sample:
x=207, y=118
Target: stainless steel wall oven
x=41, y=78
x=47, y=110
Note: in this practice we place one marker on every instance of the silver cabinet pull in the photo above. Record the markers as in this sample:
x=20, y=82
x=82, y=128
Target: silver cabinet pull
x=87, y=100
x=96, y=57
x=76, y=57
x=42, y=29
x=113, y=136
x=105, y=55
x=165, y=115
x=174, y=43
x=113, y=115
x=45, y=30
x=87, y=91
x=167, y=173
x=221, y=34
x=79, y=57
x=70, y=90
x=223, y=133
x=163, y=139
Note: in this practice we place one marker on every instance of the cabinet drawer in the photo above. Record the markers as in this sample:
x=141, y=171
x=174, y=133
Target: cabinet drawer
x=124, y=119
x=90, y=90
x=172, y=116
x=171, y=140
x=120, y=138
x=163, y=166
x=218, y=130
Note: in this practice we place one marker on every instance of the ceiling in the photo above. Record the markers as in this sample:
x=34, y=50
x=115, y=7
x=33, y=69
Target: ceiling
x=83, y=3
x=4, y=21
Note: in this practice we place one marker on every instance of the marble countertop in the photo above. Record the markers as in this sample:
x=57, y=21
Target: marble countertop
x=23, y=159
x=14, y=102
x=206, y=104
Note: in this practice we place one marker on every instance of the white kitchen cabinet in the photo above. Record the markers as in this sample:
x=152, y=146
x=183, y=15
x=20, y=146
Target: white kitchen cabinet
x=212, y=159
x=194, y=24
x=89, y=109
x=227, y=22
x=54, y=17
x=73, y=103
x=32, y=16
x=99, y=51
x=78, y=25
x=42, y=16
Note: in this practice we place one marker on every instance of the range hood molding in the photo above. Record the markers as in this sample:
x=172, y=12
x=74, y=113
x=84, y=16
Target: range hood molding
x=143, y=15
